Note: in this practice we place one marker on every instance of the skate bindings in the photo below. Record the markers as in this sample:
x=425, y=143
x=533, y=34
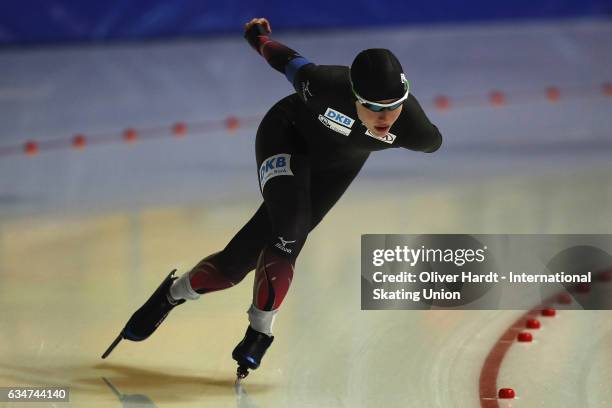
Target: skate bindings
x=150, y=315
x=249, y=352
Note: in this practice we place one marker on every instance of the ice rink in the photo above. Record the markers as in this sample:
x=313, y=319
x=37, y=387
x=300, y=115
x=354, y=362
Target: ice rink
x=86, y=235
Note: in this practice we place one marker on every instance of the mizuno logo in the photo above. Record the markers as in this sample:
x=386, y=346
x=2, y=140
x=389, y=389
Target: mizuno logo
x=305, y=90
x=283, y=243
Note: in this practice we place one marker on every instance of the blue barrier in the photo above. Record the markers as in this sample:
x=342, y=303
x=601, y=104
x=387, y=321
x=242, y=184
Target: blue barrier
x=40, y=21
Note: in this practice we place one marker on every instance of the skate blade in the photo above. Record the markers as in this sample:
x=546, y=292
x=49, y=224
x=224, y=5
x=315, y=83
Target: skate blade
x=241, y=373
x=112, y=346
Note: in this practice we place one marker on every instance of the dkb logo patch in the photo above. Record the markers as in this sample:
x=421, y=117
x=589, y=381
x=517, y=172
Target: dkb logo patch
x=339, y=117
x=277, y=165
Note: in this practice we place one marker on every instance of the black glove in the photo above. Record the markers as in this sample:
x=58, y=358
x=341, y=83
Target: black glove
x=253, y=33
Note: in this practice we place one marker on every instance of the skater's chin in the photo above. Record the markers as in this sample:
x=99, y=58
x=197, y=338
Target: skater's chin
x=381, y=130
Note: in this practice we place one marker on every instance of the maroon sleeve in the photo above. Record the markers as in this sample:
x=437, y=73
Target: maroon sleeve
x=277, y=54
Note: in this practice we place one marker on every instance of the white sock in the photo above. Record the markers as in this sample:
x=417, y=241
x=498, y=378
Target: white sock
x=181, y=289
x=261, y=320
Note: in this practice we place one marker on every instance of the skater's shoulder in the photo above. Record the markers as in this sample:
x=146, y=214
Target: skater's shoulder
x=323, y=81
x=329, y=74
x=414, y=129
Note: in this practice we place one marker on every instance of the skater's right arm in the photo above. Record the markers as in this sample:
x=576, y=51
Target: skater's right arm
x=301, y=73
x=279, y=56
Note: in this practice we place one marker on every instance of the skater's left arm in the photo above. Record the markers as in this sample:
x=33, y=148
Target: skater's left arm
x=417, y=132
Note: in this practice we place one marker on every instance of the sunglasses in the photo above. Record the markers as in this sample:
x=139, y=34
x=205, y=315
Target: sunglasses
x=374, y=107
x=379, y=107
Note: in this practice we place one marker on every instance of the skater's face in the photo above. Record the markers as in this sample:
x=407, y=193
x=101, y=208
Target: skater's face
x=378, y=123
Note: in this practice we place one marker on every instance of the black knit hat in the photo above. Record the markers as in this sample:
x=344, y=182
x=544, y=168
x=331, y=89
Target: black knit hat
x=377, y=75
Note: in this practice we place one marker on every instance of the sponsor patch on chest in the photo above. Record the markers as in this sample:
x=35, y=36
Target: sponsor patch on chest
x=334, y=126
x=339, y=118
x=388, y=138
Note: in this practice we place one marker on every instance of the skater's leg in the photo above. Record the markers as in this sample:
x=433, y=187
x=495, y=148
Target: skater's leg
x=275, y=266
x=284, y=176
x=291, y=217
x=276, y=143
x=287, y=200
x=229, y=266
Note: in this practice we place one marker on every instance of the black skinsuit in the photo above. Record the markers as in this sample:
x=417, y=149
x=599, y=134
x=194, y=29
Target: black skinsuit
x=309, y=148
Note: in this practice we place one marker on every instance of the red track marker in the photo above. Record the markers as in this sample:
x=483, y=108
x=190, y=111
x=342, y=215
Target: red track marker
x=79, y=141
x=31, y=148
x=524, y=337
x=232, y=123
x=442, y=102
x=506, y=393
x=130, y=135
x=549, y=312
x=532, y=324
x=553, y=94
x=179, y=129
x=497, y=98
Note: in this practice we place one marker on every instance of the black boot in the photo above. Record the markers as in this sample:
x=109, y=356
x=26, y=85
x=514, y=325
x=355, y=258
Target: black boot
x=249, y=352
x=150, y=315
x=145, y=320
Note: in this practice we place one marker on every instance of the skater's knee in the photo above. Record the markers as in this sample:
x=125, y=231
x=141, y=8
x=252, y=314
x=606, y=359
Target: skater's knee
x=272, y=279
x=212, y=274
x=290, y=236
x=235, y=267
